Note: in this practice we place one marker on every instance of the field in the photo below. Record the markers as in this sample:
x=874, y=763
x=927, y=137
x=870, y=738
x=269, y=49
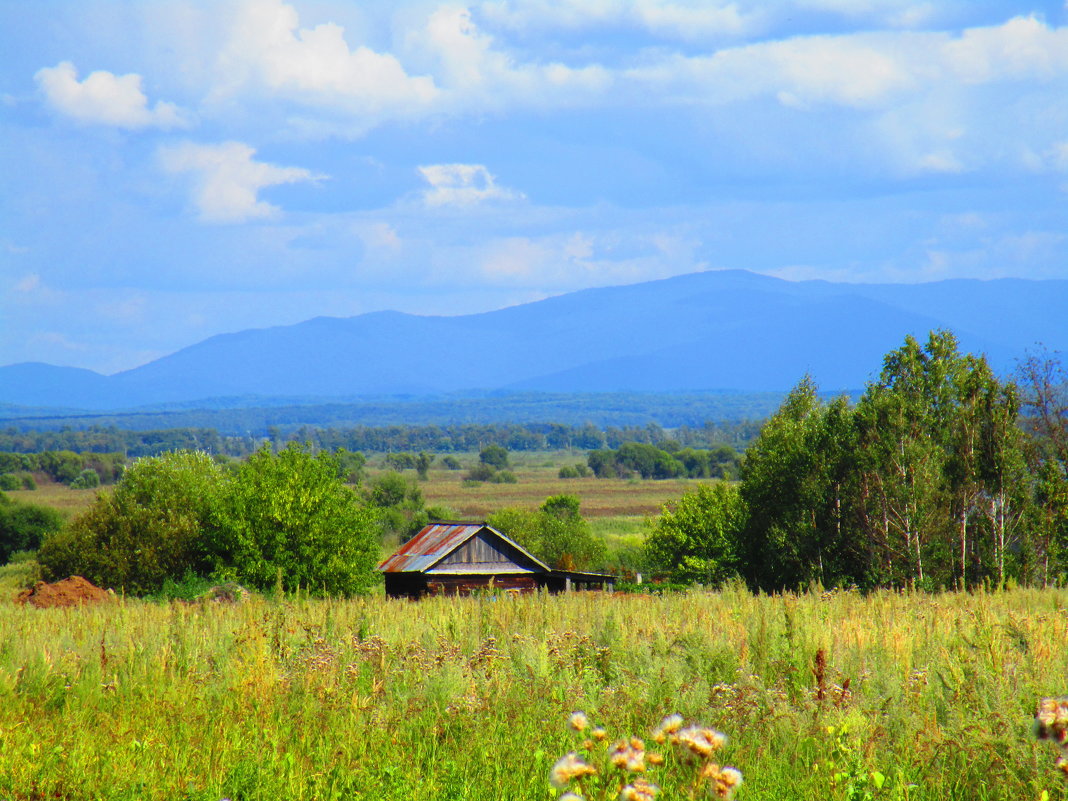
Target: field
x=468, y=698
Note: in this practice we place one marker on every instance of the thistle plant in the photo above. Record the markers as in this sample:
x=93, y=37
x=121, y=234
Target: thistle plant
x=1051, y=723
x=602, y=768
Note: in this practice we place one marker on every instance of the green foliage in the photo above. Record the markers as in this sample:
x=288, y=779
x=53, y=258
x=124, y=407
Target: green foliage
x=670, y=460
x=578, y=470
x=450, y=462
x=23, y=526
x=152, y=527
x=287, y=519
x=398, y=504
x=494, y=456
x=87, y=479
x=9, y=481
x=422, y=464
x=278, y=517
x=696, y=539
x=556, y=533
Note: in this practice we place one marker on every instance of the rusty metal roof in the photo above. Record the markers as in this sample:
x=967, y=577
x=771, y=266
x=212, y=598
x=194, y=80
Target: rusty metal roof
x=433, y=543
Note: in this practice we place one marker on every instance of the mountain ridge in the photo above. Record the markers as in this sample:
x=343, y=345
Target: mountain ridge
x=712, y=330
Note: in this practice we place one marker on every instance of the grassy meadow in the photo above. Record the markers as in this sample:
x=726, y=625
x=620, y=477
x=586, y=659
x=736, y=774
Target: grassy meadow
x=468, y=698
x=831, y=695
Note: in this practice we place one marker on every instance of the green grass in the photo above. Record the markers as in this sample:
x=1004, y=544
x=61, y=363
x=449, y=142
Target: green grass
x=468, y=698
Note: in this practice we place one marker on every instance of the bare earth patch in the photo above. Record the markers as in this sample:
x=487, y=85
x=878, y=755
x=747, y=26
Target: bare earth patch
x=73, y=591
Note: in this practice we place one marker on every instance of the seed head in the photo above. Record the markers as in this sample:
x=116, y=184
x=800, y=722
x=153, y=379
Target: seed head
x=1051, y=720
x=639, y=790
x=668, y=726
x=628, y=756
x=568, y=767
x=701, y=741
x=578, y=721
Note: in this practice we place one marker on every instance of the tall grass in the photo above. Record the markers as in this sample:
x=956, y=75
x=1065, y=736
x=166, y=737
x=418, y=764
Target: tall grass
x=468, y=698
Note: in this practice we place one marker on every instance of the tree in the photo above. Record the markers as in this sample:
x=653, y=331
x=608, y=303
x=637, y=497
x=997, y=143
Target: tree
x=422, y=464
x=287, y=517
x=495, y=456
x=792, y=487
x=556, y=533
x=151, y=528
x=696, y=539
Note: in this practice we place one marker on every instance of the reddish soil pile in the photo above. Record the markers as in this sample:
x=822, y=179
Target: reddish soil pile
x=71, y=591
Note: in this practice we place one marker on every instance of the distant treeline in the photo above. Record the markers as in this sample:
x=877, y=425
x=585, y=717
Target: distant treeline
x=255, y=416
x=460, y=438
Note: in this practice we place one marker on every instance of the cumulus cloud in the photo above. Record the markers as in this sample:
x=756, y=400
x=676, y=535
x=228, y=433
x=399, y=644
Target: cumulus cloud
x=478, y=73
x=104, y=98
x=227, y=180
x=316, y=64
x=462, y=185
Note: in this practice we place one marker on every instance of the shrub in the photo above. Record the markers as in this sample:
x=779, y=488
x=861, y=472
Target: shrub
x=9, y=481
x=87, y=479
x=494, y=456
x=152, y=527
x=23, y=526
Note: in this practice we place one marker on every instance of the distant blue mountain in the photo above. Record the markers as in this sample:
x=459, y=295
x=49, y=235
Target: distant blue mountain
x=704, y=331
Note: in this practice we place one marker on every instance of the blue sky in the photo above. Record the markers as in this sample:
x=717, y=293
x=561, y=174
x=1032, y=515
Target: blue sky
x=174, y=170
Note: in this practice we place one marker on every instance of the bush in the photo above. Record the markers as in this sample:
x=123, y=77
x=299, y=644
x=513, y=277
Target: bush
x=480, y=472
x=450, y=463
x=153, y=527
x=9, y=481
x=23, y=526
x=556, y=533
x=87, y=479
x=494, y=456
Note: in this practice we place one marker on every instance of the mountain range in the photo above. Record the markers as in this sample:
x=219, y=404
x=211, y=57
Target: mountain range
x=716, y=330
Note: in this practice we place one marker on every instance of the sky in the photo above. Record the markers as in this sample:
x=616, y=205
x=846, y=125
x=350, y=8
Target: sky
x=174, y=170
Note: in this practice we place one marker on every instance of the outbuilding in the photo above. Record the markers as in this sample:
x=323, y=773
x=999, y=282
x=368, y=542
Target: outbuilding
x=459, y=558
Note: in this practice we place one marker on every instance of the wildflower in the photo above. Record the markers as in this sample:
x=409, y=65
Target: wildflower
x=628, y=756
x=1051, y=720
x=669, y=725
x=568, y=767
x=639, y=790
x=723, y=782
x=569, y=796
x=703, y=742
x=598, y=733
x=578, y=721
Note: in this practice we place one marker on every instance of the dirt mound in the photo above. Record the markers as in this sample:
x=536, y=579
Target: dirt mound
x=72, y=591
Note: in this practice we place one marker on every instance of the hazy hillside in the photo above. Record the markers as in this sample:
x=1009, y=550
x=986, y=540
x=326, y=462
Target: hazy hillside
x=704, y=331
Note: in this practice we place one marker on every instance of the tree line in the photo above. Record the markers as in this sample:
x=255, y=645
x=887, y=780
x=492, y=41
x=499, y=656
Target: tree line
x=457, y=438
x=941, y=475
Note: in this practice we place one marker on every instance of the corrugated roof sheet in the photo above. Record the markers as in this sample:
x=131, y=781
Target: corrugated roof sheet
x=433, y=543
x=430, y=545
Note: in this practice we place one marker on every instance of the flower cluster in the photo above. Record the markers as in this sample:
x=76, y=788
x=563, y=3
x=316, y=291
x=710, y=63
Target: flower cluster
x=619, y=770
x=1051, y=723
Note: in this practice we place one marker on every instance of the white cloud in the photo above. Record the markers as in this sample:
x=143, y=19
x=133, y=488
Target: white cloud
x=316, y=65
x=228, y=180
x=478, y=74
x=462, y=185
x=104, y=98
x=1021, y=48
x=666, y=18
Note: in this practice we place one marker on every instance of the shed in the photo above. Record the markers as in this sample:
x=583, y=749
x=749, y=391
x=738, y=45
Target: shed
x=458, y=558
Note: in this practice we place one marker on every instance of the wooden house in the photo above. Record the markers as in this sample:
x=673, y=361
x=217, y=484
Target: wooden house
x=458, y=558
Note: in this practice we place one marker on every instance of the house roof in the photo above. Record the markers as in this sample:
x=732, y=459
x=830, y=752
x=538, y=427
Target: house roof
x=435, y=542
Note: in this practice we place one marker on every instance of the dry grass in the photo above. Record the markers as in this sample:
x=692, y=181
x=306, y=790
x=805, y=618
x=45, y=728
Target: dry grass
x=467, y=698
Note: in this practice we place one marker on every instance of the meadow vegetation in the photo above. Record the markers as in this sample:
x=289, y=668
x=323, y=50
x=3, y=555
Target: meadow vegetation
x=825, y=695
